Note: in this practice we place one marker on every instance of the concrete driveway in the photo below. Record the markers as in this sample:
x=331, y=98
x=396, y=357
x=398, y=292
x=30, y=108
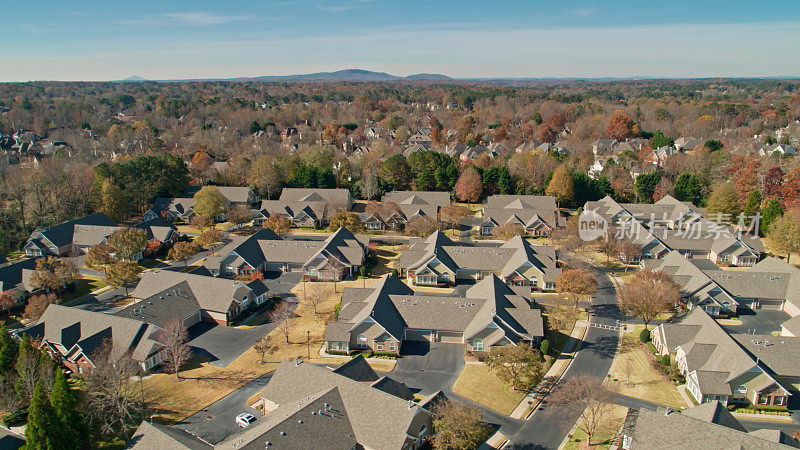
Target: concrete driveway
x=429, y=366
x=216, y=422
x=224, y=344
x=763, y=321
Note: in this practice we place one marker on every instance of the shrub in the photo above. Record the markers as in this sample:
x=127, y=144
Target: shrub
x=387, y=355
x=665, y=360
x=337, y=352
x=652, y=348
x=644, y=335
x=544, y=347
x=16, y=418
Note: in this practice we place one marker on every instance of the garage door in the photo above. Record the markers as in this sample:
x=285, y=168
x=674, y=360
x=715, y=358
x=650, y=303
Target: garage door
x=418, y=335
x=770, y=304
x=454, y=337
x=191, y=320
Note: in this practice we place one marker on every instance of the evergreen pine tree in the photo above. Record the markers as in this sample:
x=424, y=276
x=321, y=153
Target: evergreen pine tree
x=71, y=425
x=8, y=350
x=42, y=430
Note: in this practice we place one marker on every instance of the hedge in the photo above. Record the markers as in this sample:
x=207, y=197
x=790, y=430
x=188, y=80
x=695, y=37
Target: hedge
x=644, y=335
x=337, y=352
x=16, y=418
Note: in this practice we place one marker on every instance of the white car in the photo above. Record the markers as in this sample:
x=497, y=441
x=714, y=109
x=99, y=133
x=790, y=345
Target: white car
x=245, y=419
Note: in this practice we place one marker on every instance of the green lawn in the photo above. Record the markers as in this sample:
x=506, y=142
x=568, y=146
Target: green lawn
x=84, y=286
x=480, y=385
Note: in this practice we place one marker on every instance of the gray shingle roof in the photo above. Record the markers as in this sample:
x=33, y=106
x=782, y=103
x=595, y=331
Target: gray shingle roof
x=62, y=234
x=357, y=369
x=655, y=430
x=175, y=302
x=523, y=209
x=156, y=436
x=211, y=293
x=292, y=382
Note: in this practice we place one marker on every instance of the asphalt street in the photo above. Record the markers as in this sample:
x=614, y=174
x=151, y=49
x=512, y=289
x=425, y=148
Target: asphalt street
x=548, y=427
x=217, y=421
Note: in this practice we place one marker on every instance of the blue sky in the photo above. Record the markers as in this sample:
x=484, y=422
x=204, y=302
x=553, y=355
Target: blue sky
x=166, y=39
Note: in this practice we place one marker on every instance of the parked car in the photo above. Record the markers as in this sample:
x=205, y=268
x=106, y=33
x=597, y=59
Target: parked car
x=245, y=419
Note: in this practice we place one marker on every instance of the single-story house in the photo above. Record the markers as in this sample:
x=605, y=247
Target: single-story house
x=306, y=207
x=309, y=406
x=384, y=316
x=70, y=238
x=340, y=255
x=718, y=367
x=75, y=337
x=709, y=425
x=164, y=295
x=537, y=214
x=410, y=204
x=438, y=261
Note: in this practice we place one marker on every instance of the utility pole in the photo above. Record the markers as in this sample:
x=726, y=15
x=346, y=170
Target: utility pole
x=308, y=343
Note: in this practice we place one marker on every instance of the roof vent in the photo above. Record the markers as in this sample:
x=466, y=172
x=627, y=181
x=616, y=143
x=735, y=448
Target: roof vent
x=300, y=421
x=283, y=433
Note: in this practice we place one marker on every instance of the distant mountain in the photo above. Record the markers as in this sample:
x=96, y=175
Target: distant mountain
x=134, y=79
x=345, y=75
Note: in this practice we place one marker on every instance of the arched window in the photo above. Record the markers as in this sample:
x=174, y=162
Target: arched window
x=477, y=345
x=534, y=281
x=361, y=338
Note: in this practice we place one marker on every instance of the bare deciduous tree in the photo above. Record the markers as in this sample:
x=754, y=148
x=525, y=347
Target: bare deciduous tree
x=114, y=403
x=174, y=337
x=316, y=295
x=649, y=294
x=265, y=345
x=585, y=395
x=458, y=425
x=282, y=314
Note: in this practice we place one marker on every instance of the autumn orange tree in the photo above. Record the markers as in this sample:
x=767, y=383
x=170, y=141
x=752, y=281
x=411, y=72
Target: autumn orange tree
x=621, y=127
x=561, y=185
x=469, y=186
x=575, y=283
x=649, y=294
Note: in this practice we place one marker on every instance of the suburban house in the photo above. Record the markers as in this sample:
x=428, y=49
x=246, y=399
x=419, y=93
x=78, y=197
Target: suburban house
x=668, y=212
x=71, y=238
x=698, y=286
x=659, y=156
x=669, y=224
x=340, y=255
x=687, y=144
x=310, y=406
x=182, y=208
x=410, y=204
x=165, y=295
x=718, y=367
x=159, y=232
x=438, y=261
x=382, y=317
x=537, y=214
x=604, y=146
x=770, y=284
x=703, y=426
x=75, y=336
x=598, y=164
x=233, y=195
x=468, y=153
x=15, y=281
x=781, y=149
x=306, y=207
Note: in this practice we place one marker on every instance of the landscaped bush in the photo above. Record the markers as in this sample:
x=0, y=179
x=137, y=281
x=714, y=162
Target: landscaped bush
x=652, y=348
x=762, y=411
x=386, y=355
x=365, y=353
x=337, y=352
x=16, y=418
x=544, y=347
x=665, y=360
x=644, y=335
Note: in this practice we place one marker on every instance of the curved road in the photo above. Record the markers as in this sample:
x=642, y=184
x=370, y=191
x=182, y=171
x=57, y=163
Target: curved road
x=547, y=429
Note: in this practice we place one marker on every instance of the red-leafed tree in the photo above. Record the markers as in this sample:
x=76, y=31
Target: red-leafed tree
x=469, y=186
x=621, y=127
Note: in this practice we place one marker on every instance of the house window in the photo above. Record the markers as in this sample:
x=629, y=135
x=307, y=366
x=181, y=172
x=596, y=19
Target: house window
x=534, y=281
x=742, y=389
x=778, y=401
x=392, y=347
x=446, y=276
x=763, y=400
x=423, y=431
x=486, y=230
x=477, y=345
x=379, y=346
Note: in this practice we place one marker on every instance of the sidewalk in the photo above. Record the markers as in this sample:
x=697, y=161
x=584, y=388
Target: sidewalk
x=560, y=365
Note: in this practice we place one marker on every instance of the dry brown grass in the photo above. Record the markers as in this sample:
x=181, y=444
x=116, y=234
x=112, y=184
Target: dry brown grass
x=204, y=383
x=606, y=430
x=632, y=374
x=480, y=385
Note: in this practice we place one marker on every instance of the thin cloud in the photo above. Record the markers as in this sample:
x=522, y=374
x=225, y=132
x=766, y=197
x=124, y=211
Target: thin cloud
x=585, y=12
x=192, y=18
